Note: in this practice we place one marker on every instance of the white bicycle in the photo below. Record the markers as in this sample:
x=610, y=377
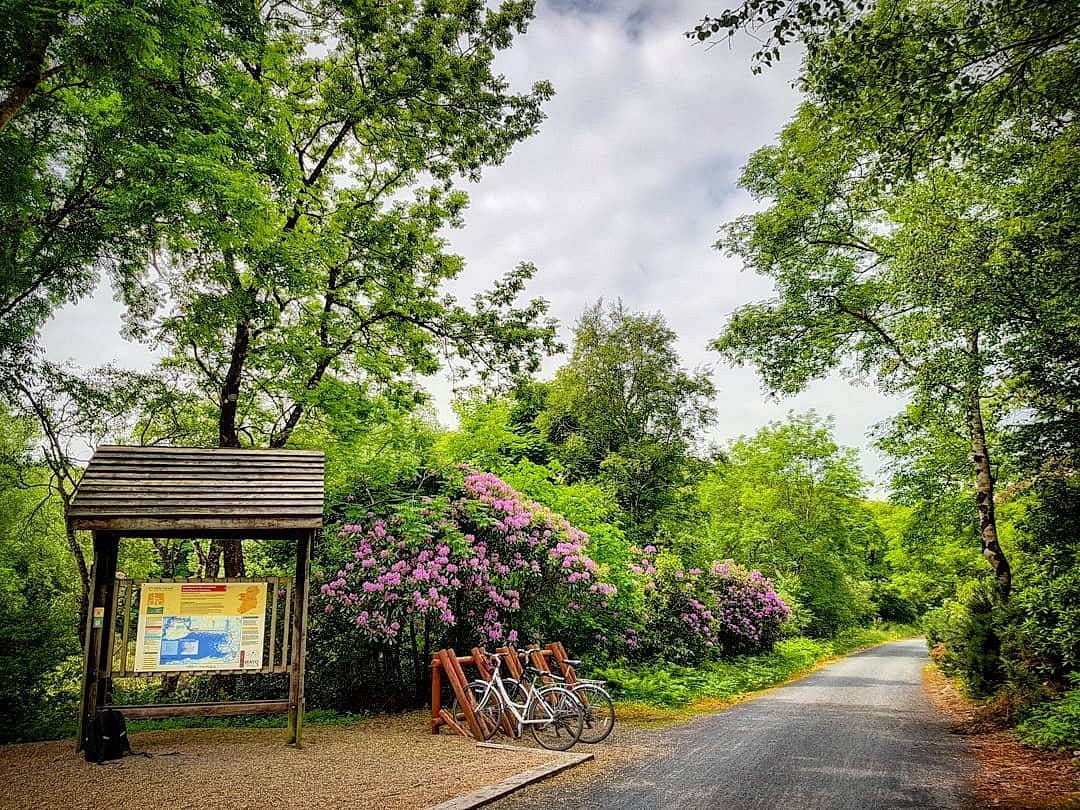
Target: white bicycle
x=553, y=715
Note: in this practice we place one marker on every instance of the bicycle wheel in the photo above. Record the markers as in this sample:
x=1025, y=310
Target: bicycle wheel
x=599, y=719
x=488, y=711
x=561, y=717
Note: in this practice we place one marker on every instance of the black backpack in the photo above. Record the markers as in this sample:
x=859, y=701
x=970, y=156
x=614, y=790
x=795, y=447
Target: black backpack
x=108, y=737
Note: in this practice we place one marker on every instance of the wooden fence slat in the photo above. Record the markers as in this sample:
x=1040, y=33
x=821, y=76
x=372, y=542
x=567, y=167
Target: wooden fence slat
x=239, y=707
x=125, y=619
x=273, y=624
x=285, y=630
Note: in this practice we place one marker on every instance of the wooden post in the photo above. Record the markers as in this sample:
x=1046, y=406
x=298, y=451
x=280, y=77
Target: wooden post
x=457, y=679
x=436, y=695
x=95, y=680
x=558, y=652
x=299, y=644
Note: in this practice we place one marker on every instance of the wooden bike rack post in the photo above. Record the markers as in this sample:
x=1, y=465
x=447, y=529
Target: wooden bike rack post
x=513, y=663
x=479, y=656
x=539, y=659
x=451, y=666
x=558, y=652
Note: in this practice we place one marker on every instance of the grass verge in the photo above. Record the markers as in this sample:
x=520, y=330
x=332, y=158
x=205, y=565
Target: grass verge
x=658, y=694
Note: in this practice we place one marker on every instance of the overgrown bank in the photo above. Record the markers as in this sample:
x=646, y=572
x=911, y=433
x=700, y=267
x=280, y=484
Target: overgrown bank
x=659, y=692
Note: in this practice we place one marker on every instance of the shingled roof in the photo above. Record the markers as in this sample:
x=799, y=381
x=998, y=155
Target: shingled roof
x=192, y=489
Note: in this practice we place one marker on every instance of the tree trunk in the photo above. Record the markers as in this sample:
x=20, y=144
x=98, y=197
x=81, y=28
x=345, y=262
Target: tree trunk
x=212, y=561
x=984, y=500
x=32, y=69
x=230, y=388
x=80, y=564
x=231, y=550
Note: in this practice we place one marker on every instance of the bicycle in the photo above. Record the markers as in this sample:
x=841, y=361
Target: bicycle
x=599, y=710
x=554, y=716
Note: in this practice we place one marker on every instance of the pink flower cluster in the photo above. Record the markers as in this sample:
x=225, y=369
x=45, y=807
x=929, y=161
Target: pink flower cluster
x=726, y=609
x=748, y=611
x=471, y=558
x=733, y=608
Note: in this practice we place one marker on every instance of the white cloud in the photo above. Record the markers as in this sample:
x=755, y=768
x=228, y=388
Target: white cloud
x=622, y=191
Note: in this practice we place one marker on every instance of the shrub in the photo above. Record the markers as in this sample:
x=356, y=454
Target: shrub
x=470, y=563
x=698, y=615
x=1043, y=636
x=963, y=636
x=1055, y=724
x=892, y=606
x=833, y=600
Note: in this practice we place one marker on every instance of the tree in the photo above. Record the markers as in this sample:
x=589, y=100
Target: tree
x=950, y=285
x=789, y=500
x=306, y=272
x=72, y=412
x=921, y=82
x=623, y=409
x=850, y=287
x=306, y=265
x=101, y=134
x=933, y=536
x=39, y=583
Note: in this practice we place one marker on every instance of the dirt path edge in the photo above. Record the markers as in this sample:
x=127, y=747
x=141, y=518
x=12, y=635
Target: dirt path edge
x=486, y=795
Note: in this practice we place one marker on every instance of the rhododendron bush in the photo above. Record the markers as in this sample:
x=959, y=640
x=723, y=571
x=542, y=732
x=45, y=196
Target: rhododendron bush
x=698, y=614
x=467, y=560
x=474, y=563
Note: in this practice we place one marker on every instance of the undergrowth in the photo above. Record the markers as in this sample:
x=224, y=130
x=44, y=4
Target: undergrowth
x=672, y=687
x=1055, y=724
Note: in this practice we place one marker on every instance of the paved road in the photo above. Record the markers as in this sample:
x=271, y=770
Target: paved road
x=857, y=734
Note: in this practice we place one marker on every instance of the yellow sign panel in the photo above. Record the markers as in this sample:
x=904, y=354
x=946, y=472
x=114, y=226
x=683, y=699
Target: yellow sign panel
x=200, y=625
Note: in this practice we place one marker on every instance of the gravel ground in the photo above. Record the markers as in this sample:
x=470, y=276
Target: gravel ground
x=386, y=762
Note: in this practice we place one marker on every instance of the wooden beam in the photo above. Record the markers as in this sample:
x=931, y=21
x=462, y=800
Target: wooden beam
x=209, y=525
x=224, y=709
x=446, y=719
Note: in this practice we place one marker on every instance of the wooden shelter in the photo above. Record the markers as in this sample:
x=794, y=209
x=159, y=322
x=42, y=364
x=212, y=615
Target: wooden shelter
x=196, y=493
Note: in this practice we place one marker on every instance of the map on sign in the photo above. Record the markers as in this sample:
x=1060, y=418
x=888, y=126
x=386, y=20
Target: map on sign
x=193, y=626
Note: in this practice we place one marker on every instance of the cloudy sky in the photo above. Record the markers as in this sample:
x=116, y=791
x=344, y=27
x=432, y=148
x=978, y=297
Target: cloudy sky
x=619, y=196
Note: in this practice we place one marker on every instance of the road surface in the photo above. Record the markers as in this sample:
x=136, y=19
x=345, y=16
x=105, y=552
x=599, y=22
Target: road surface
x=857, y=734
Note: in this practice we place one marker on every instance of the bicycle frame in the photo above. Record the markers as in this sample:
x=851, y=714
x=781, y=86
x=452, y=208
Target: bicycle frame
x=495, y=684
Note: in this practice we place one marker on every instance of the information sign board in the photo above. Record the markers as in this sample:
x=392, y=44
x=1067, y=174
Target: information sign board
x=187, y=626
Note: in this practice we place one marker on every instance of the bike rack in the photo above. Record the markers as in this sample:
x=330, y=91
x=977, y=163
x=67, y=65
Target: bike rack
x=447, y=662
